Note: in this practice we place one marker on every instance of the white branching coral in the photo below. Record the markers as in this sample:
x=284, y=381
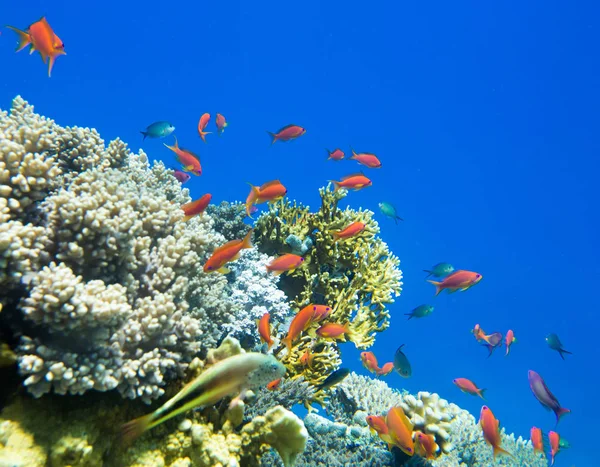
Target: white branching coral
x=106, y=280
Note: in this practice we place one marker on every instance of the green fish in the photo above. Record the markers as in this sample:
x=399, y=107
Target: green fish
x=401, y=363
x=158, y=130
x=554, y=343
x=440, y=270
x=334, y=378
x=390, y=211
x=233, y=375
x=420, y=312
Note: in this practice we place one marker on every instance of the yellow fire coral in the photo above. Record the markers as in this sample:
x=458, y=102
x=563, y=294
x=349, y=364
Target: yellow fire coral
x=357, y=276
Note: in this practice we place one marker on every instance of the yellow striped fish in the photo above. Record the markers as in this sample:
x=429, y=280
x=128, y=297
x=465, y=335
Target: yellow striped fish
x=233, y=375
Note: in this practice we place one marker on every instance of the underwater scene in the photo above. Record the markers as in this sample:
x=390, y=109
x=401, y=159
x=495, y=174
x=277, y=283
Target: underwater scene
x=299, y=234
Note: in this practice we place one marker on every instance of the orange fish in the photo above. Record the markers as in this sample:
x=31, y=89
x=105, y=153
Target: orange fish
x=274, y=384
x=320, y=312
x=300, y=323
x=267, y=192
x=287, y=133
x=364, y=158
x=378, y=425
x=491, y=431
x=352, y=182
x=469, y=387
x=189, y=160
x=221, y=124
x=478, y=333
x=400, y=430
x=226, y=253
x=537, y=439
x=43, y=39
x=458, y=280
x=509, y=340
x=285, y=263
x=204, y=119
x=336, y=155
x=196, y=207
x=334, y=331
x=264, y=330
x=554, y=439
x=353, y=229
x=425, y=445
x=386, y=369
x=307, y=358
x=369, y=361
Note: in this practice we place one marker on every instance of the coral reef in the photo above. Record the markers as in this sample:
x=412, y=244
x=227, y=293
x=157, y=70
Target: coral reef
x=100, y=277
x=77, y=433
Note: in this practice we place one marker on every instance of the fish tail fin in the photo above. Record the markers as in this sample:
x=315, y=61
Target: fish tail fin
x=146, y=134
x=336, y=185
x=562, y=352
x=429, y=273
x=480, y=393
x=410, y=315
x=501, y=450
x=328, y=153
x=247, y=242
x=438, y=287
x=51, y=60
x=24, y=38
x=287, y=341
x=398, y=218
x=203, y=134
x=273, y=136
x=132, y=430
x=560, y=412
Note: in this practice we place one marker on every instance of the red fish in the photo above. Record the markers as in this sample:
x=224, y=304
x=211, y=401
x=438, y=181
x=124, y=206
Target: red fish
x=287, y=133
x=400, y=430
x=285, y=263
x=204, y=119
x=196, y=207
x=386, y=369
x=334, y=331
x=336, y=154
x=264, y=330
x=537, y=439
x=43, y=39
x=491, y=431
x=352, y=182
x=307, y=358
x=364, y=158
x=350, y=231
x=468, y=386
x=458, y=280
x=509, y=340
x=425, y=445
x=369, y=361
x=300, y=323
x=226, y=253
x=189, y=160
x=274, y=384
x=554, y=439
x=221, y=124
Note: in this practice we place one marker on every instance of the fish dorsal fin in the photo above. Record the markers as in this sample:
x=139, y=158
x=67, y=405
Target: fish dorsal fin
x=357, y=174
x=227, y=245
x=286, y=127
x=271, y=183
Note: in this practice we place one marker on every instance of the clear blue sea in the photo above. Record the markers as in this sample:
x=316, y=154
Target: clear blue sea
x=485, y=115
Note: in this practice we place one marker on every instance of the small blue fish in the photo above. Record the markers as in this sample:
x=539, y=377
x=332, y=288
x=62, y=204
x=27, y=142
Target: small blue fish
x=555, y=344
x=401, y=363
x=440, y=270
x=420, y=312
x=158, y=130
x=390, y=211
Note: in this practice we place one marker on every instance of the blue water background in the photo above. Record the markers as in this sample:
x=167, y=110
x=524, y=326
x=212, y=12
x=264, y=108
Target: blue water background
x=484, y=114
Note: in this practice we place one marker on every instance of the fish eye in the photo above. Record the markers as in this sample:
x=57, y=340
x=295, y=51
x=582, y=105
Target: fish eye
x=209, y=268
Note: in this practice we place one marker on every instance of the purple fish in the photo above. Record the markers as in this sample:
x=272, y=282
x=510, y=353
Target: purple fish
x=181, y=176
x=543, y=394
x=492, y=341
